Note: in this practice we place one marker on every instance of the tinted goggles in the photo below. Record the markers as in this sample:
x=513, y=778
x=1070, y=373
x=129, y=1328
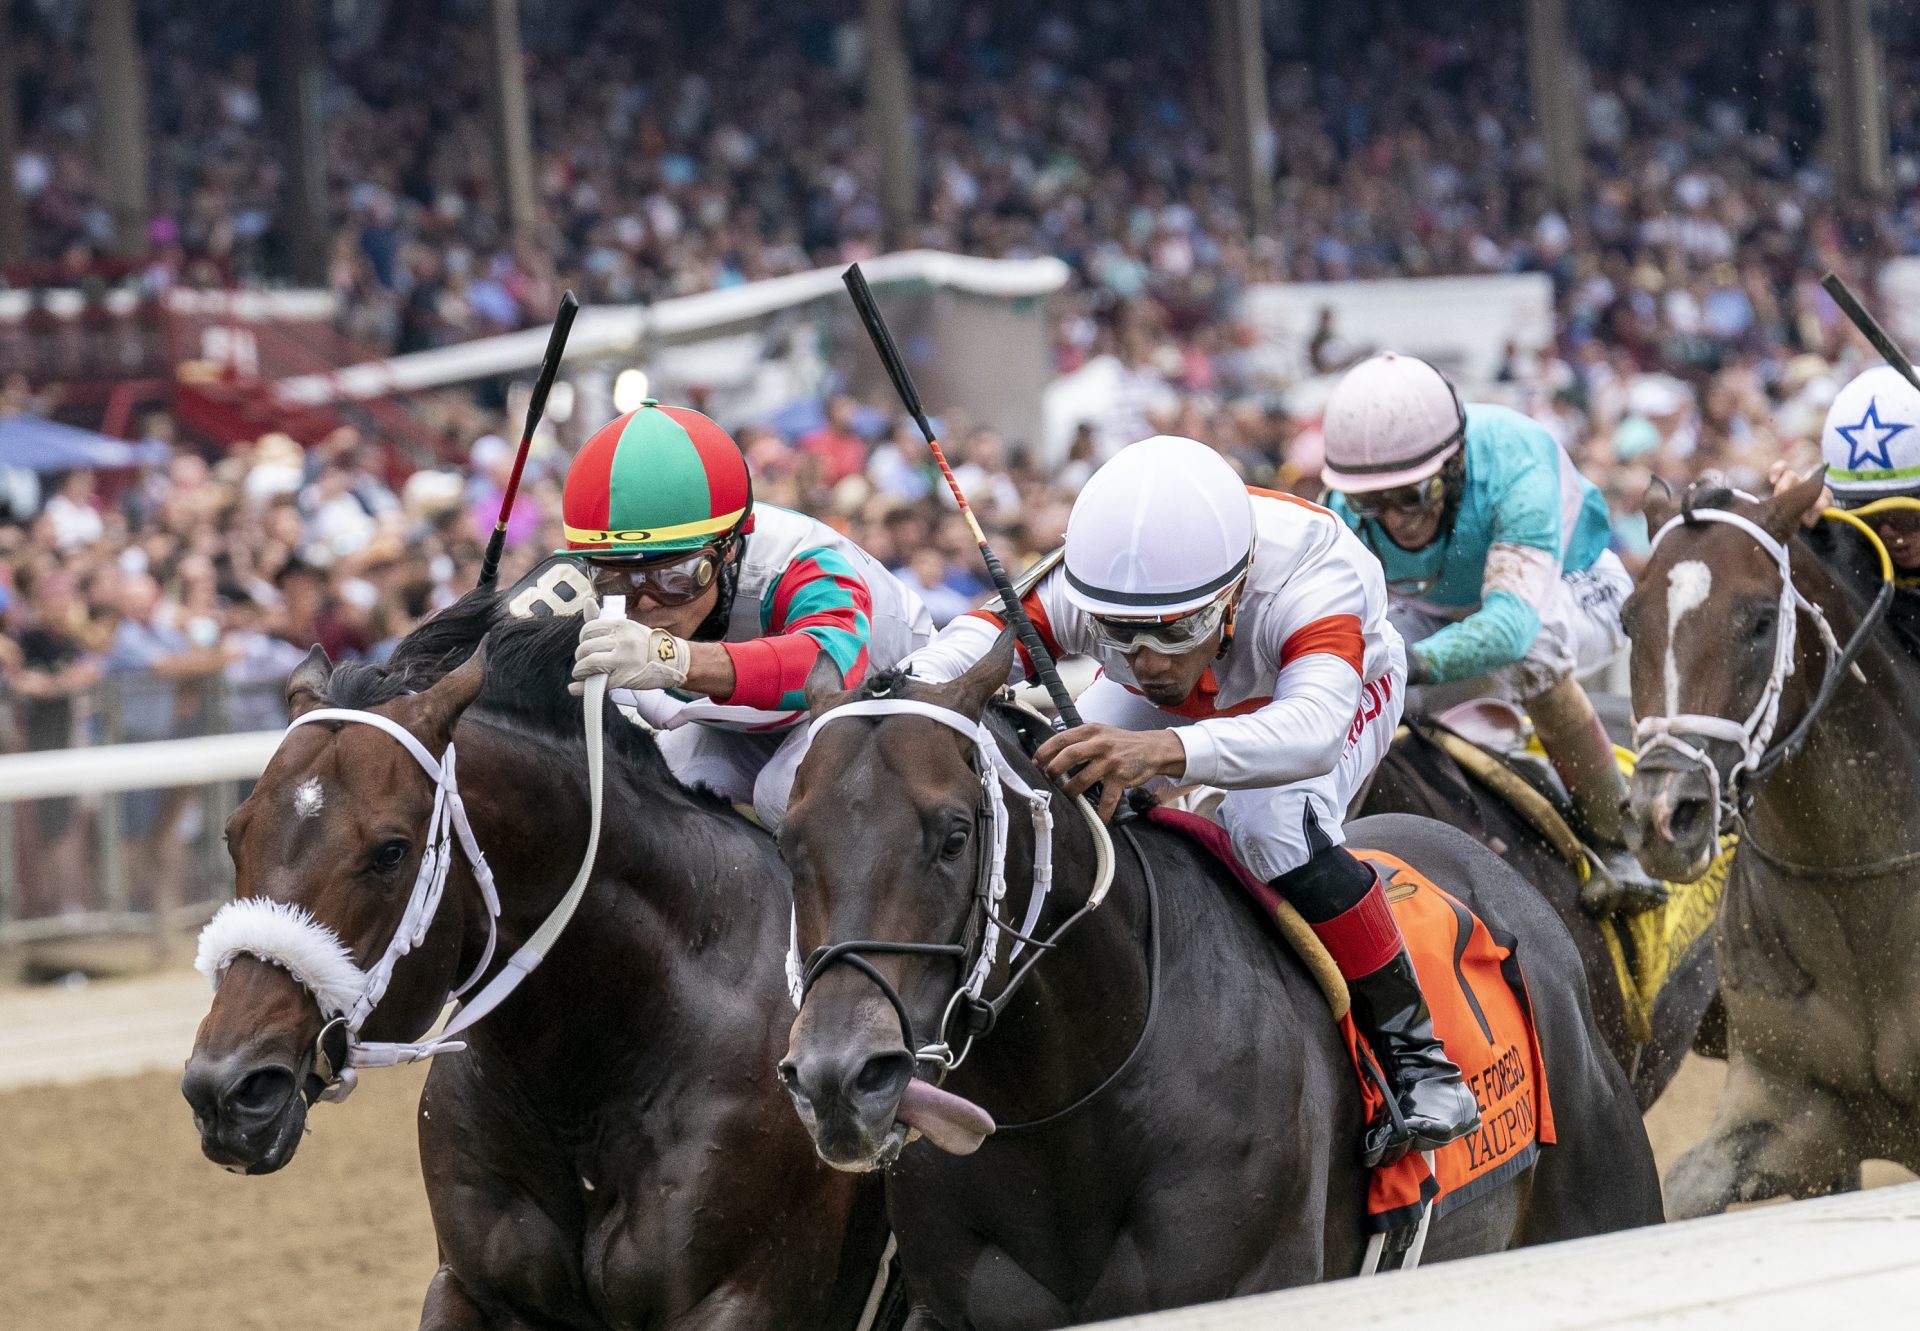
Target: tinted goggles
x=665, y=579
x=1374, y=504
x=1169, y=637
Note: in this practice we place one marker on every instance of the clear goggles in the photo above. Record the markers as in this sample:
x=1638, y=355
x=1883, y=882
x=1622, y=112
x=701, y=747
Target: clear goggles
x=664, y=579
x=1375, y=504
x=1169, y=637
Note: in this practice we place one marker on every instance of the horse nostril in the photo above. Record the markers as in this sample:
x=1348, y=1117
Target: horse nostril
x=789, y=1074
x=261, y=1093
x=1687, y=814
x=883, y=1074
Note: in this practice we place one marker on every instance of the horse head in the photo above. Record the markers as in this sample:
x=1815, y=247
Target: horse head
x=326, y=853
x=884, y=837
x=1713, y=624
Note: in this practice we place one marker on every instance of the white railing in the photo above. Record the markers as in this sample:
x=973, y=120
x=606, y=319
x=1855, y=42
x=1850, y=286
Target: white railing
x=1806, y=1264
x=216, y=765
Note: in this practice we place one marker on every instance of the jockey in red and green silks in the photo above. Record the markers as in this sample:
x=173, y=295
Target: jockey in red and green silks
x=730, y=604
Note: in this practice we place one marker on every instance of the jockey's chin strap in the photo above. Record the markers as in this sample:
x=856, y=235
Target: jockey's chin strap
x=315, y=955
x=1732, y=797
x=984, y=924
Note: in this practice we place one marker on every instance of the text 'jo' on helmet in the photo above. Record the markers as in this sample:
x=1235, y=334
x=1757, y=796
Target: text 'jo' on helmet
x=1392, y=421
x=658, y=480
x=1163, y=528
x=1871, y=440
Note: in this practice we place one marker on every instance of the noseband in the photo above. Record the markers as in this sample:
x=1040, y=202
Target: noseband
x=980, y=939
x=1687, y=734
x=290, y=937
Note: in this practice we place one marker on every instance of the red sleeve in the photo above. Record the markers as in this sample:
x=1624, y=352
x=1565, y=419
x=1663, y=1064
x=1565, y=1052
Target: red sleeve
x=819, y=605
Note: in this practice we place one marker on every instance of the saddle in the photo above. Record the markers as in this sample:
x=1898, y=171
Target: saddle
x=1472, y=979
x=1492, y=742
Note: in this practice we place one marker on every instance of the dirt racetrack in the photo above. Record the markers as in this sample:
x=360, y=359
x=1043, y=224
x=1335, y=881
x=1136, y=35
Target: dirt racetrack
x=113, y=1219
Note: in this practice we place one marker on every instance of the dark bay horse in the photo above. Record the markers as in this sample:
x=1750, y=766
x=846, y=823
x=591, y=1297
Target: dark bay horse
x=1819, y=937
x=612, y=1149
x=1418, y=777
x=1182, y=1121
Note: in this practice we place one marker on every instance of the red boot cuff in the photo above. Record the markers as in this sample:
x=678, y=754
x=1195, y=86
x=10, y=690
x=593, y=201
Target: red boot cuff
x=1364, y=937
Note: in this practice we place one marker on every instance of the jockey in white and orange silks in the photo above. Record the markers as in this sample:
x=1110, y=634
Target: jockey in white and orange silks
x=1243, y=643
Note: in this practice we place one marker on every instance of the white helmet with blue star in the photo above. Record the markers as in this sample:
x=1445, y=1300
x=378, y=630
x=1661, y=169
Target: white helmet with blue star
x=1871, y=442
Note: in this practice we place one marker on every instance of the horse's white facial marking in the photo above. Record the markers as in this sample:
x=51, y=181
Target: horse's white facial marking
x=307, y=799
x=1688, y=584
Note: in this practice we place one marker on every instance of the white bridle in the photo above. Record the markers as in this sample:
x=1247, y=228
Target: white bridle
x=995, y=771
x=1654, y=733
x=290, y=937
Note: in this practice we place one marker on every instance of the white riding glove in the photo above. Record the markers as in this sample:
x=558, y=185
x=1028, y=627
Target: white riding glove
x=630, y=655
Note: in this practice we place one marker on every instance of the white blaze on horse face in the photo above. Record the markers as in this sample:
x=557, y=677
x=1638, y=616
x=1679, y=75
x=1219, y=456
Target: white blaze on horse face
x=307, y=799
x=1688, y=585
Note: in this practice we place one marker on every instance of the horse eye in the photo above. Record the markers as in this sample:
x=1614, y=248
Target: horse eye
x=389, y=857
x=1763, y=624
x=955, y=843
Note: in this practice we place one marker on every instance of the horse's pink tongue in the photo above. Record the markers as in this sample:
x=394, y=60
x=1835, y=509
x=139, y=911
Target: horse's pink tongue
x=956, y=1126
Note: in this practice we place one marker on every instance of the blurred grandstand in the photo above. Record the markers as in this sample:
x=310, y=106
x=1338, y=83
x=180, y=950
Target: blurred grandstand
x=264, y=267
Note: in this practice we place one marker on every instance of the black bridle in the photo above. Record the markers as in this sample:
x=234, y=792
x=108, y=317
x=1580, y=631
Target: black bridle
x=979, y=1012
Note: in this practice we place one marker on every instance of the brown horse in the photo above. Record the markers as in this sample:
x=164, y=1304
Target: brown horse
x=1181, y=1120
x=611, y=1149
x=1819, y=939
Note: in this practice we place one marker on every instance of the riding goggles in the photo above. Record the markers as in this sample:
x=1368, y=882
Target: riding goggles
x=1374, y=504
x=1169, y=637
x=665, y=580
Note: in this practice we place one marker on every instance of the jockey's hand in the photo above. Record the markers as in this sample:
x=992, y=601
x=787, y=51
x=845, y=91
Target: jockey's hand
x=1783, y=478
x=630, y=655
x=1114, y=759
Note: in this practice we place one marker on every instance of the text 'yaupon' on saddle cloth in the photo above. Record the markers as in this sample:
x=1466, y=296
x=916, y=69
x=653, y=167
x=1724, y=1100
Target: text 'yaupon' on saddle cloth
x=1478, y=997
x=1482, y=1014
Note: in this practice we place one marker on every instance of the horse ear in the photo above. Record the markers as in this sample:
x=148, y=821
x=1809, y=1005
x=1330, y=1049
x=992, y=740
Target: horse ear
x=1788, y=511
x=1659, y=505
x=825, y=687
x=969, y=693
x=433, y=714
x=307, y=685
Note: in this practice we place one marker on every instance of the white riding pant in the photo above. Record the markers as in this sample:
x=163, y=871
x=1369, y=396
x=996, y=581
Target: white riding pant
x=1276, y=829
x=741, y=766
x=1579, y=633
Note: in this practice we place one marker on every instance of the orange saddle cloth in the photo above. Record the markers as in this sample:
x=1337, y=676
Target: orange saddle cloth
x=1481, y=1012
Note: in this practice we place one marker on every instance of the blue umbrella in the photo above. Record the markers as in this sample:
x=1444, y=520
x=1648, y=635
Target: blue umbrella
x=37, y=444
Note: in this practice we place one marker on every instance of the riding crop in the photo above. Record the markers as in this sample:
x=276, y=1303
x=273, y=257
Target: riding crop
x=1869, y=327
x=1044, y=668
x=536, y=407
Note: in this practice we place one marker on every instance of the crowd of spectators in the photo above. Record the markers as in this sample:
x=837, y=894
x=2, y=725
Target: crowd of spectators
x=684, y=147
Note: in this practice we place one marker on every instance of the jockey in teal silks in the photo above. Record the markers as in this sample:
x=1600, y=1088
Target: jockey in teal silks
x=1495, y=552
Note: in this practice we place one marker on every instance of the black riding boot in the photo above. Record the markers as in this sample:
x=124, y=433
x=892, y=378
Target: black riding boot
x=1345, y=903
x=1435, y=1104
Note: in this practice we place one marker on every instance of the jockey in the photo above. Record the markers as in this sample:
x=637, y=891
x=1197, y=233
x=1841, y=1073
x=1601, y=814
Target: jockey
x=729, y=603
x=1871, y=445
x=1244, y=644
x=1495, y=549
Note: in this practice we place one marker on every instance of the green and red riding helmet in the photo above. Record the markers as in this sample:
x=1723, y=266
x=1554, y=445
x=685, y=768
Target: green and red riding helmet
x=656, y=481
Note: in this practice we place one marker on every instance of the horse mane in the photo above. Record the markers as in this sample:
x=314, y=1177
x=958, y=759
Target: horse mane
x=529, y=663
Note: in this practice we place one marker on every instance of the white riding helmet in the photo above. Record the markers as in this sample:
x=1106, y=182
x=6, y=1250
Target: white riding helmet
x=1163, y=528
x=1393, y=420
x=1871, y=441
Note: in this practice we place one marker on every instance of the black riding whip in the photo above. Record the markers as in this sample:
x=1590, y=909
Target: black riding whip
x=1870, y=328
x=1044, y=668
x=536, y=407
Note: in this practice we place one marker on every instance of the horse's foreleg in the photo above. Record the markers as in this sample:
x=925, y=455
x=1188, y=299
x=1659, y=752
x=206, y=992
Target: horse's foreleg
x=1771, y=1137
x=449, y=1307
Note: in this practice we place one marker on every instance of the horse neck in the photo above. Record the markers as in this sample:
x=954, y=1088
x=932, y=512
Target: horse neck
x=652, y=909
x=1081, y=1010
x=1842, y=798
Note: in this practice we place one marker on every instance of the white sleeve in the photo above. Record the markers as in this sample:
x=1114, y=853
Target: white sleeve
x=956, y=649
x=1296, y=737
